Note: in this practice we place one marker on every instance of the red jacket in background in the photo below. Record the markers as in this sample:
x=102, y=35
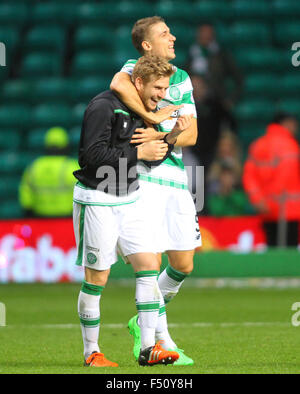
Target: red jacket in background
x=272, y=173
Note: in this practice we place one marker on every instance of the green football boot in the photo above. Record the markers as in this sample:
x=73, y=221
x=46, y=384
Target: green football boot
x=135, y=331
x=183, y=359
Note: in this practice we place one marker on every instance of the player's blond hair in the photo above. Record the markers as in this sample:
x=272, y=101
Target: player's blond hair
x=140, y=31
x=152, y=67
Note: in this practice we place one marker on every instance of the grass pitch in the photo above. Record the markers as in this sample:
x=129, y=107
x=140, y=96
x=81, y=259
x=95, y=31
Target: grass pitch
x=223, y=330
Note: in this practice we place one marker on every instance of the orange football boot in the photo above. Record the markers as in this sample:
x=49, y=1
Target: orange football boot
x=157, y=355
x=98, y=360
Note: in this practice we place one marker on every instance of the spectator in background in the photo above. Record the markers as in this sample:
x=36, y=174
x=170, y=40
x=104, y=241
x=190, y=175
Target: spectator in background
x=210, y=116
x=228, y=152
x=272, y=180
x=208, y=59
x=229, y=198
x=46, y=188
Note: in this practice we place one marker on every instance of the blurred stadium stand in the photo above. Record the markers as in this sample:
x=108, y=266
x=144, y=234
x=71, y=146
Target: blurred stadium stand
x=60, y=53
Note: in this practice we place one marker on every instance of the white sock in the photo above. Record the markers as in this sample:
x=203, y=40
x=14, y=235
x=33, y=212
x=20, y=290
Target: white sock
x=89, y=315
x=147, y=303
x=161, y=332
x=170, y=281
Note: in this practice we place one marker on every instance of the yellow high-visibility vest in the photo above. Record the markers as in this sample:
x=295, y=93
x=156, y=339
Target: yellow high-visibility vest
x=47, y=186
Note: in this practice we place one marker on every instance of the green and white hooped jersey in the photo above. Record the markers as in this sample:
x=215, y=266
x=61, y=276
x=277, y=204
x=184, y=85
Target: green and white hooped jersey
x=170, y=172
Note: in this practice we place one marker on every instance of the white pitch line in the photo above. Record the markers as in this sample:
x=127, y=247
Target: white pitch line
x=171, y=325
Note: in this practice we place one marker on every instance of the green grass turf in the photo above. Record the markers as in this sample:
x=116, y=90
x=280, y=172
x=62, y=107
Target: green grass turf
x=230, y=342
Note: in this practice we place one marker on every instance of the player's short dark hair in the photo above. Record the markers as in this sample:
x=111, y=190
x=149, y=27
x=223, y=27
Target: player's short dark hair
x=141, y=30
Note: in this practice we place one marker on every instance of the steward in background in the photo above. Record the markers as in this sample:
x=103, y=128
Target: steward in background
x=47, y=185
x=272, y=180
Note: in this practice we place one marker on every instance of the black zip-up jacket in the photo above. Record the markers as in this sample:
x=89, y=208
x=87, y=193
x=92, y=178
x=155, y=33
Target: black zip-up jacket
x=107, y=128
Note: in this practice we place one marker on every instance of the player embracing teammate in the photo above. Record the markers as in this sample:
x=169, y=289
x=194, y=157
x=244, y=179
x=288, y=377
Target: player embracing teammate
x=164, y=202
x=165, y=188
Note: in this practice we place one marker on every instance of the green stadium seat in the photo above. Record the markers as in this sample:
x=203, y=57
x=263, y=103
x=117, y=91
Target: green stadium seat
x=16, y=91
x=38, y=64
x=11, y=209
x=89, y=87
x=95, y=13
x=174, y=11
x=249, y=34
x=123, y=47
x=45, y=38
x=290, y=85
x=286, y=8
x=4, y=72
x=10, y=163
x=223, y=33
x=249, y=135
x=63, y=12
x=9, y=187
x=93, y=37
x=54, y=89
x=212, y=10
x=50, y=115
x=14, y=116
x=184, y=34
x=181, y=58
x=10, y=139
x=254, y=110
x=260, y=59
x=74, y=137
x=35, y=140
x=12, y=13
x=262, y=85
x=130, y=11
x=251, y=9
x=290, y=105
x=287, y=33
x=10, y=37
x=78, y=112
x=92, y=63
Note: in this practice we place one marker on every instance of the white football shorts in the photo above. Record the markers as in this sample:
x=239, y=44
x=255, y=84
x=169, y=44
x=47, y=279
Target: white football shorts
x=102, y=231
x=172, y=216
